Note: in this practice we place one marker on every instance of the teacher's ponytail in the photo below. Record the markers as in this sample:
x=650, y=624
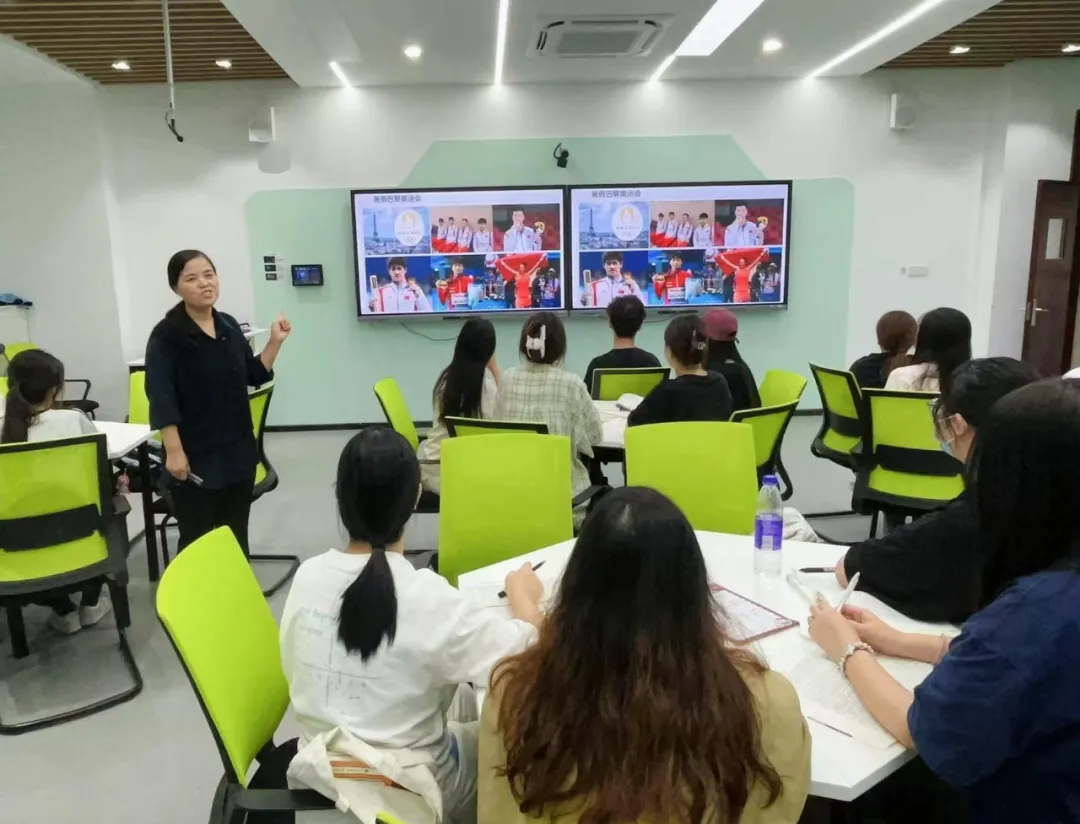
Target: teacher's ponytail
x=378, y=481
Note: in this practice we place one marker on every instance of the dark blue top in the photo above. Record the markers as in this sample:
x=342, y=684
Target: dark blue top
x=199, y=384
x=1000, y=715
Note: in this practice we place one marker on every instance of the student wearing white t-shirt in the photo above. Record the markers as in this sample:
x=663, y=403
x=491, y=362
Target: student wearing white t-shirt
x=365, y=622
x=35, y=383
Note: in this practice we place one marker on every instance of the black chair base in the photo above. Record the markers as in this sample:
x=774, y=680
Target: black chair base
x=89, y=709
x=266, y=799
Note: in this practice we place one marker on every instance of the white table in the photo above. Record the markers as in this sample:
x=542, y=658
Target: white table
x=140, y=363
x=842, y=768
x=614, y=421
x=122, y=439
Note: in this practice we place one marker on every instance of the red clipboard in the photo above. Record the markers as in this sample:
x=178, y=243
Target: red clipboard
x=739, y=634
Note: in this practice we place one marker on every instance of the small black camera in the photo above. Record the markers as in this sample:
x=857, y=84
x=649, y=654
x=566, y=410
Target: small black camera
x=561, y=155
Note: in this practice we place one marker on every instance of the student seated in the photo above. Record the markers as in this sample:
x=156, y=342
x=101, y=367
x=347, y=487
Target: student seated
x=931, y=568
x=35, y=385
x=722, y=329
x=999, y=716
x=625, y=315
x=942, y=344
x=895, y=336
x=465, y=389
x=695, y=394
x=541, y=390
x=632, y=706
x=365, y=622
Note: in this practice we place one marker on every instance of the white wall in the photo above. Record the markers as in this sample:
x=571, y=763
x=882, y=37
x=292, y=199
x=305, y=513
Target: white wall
x=918, y=194
x=54, y=232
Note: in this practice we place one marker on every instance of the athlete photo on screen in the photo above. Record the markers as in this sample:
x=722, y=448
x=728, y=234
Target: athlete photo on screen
x=703, y=232
x=521, y=269
x=615, y=284
x=453, y=292
x=742, y=231
x=519, y=237
x=465, y=236
x=742, y=264
x=402, y=294
x=659, y=231
x=481, y=243
x=671, y=287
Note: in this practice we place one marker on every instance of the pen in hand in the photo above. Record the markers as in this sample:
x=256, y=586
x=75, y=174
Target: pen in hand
x=503, y=593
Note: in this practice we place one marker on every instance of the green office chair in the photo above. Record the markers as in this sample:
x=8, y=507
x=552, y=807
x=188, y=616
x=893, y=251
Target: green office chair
x=502, y=496
x=397, y=415
x=3, y=386
x=612, y=384
x=842, y=423
x=461, y=427
x=227, y=641
x=770, y=424
x=138, y=402
x=900, y=465
x=780, y=387
x=59, y=530
x=708, y=469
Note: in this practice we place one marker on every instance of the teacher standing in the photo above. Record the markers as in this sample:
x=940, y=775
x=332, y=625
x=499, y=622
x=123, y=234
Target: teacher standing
x=198, y=370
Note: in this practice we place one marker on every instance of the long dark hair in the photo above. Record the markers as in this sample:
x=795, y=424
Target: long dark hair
x=685, y=338
x=1027, y=486
x=943, y=341
x=31, y=376
x=378, y=480
x=722, y=351
x=896, y=333
x=459, y=388
x=630, y=701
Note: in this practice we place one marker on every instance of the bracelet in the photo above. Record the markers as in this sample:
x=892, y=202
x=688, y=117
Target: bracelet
x=850, y=650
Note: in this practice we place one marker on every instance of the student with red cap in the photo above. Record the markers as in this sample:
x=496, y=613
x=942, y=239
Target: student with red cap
x=722, y=329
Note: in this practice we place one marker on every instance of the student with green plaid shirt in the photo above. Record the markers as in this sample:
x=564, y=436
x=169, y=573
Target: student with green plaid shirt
x=541, y=390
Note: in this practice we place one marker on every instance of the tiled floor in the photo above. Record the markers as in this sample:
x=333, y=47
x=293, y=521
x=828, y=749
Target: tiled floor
x=152, y=760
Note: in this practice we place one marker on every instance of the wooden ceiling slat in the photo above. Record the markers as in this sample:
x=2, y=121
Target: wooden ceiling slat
x=87, y=36
x=1011, y=30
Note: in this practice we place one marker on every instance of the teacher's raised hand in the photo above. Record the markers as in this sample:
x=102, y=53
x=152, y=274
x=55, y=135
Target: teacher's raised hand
x=280, y=329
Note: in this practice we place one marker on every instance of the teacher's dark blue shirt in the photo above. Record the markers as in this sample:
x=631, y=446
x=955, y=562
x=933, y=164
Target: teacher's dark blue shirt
x=1000, y=716
x=199, y=384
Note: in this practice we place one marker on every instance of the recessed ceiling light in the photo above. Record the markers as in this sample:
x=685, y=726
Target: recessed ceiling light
x=1071, y=48
x=336, y=69
x=224, y=63
x=122, y=66
x=771, y=45
x=413, y=51
x=500, y=40
x=900, y=22
x=958, y=49
x=718, y=24
x=663, y=67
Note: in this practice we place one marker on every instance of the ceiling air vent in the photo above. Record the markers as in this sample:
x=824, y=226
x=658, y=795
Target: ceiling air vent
x=615, y=36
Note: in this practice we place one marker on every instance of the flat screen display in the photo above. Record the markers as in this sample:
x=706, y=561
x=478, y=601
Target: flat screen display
x=457, y=251
x=681, y=244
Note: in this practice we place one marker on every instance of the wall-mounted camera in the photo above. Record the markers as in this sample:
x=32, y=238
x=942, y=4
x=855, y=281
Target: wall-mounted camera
x=561, y=156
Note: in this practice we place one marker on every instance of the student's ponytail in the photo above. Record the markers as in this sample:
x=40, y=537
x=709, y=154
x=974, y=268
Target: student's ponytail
x=31, y=376
x=378, y=481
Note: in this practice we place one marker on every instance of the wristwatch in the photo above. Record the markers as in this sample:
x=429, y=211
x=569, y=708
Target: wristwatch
x=850, y=650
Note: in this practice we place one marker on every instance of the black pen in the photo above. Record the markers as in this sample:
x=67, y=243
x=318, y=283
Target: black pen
x=822, y=570
x=503, y=593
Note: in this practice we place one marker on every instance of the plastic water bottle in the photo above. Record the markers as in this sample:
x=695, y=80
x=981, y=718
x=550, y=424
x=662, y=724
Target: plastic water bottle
x=769, y=529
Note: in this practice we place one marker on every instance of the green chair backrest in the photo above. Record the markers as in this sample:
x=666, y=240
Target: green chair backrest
x=3, y=386
x=780, y=387
x=260, y=406
x=461, y=427
x=502, y=496
x=708, y=469
x=138, y=402
x=841, y=401
x=396, y=410
x=213, y=610
x=13, y=349
x=904, y=461
x=612, y=384
x=769, y=424
x=47, y=478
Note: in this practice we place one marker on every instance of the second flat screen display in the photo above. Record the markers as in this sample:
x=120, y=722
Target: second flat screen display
x=680, y=245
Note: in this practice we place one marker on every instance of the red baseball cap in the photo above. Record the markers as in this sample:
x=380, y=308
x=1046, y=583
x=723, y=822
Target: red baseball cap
x=722, y=325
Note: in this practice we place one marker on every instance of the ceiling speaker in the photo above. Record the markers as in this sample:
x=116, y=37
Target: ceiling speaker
x=902, y=112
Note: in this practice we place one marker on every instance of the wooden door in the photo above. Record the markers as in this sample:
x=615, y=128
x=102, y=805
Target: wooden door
x=1052, y=283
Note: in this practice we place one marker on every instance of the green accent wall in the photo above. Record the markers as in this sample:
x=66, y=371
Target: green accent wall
x=327, y=368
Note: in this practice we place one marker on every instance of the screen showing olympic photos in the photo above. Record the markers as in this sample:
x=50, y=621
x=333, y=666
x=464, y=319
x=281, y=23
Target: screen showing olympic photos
x=680, y=245
x=453, y=252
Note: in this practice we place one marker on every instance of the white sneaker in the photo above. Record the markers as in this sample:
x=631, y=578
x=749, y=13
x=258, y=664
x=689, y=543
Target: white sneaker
x=88, y=616
x=66, y=624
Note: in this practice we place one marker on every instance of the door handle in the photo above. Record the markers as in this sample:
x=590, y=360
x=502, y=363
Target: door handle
x=1035, y=310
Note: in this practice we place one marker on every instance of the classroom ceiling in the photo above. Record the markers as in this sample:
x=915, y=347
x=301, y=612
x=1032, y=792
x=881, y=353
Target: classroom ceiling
x=458, y=37
x=1011, y=30
x=88, y=36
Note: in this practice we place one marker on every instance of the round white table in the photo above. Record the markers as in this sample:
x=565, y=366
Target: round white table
x=843, y=768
